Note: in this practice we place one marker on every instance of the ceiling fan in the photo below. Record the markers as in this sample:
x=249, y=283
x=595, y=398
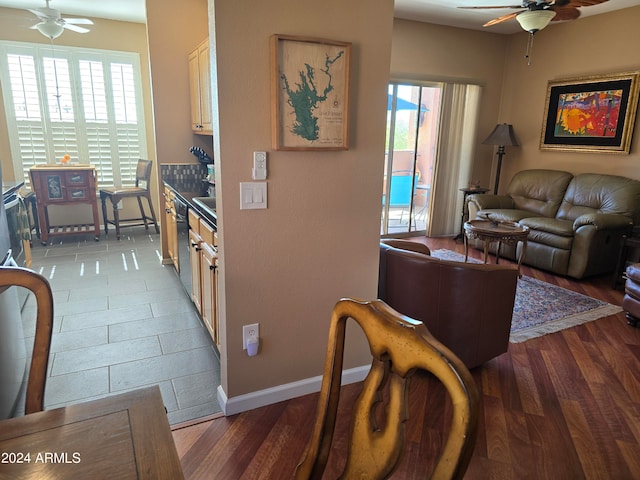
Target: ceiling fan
x=52, y=24
x=538, y=13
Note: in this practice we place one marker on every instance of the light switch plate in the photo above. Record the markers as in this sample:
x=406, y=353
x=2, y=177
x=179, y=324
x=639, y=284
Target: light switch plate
x=253, y=195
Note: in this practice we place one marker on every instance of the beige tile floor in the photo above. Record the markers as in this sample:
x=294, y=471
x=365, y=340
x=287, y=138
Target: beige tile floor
x=123, y=321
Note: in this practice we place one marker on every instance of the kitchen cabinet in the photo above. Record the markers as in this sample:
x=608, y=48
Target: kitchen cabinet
x=171, y=220
x=209, y=276
x=195, y=241
x=64, y=185
x=200, y=89
x=204, y=272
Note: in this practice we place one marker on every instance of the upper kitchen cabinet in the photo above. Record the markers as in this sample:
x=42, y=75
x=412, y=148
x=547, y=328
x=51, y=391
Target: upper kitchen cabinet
x=200, y=89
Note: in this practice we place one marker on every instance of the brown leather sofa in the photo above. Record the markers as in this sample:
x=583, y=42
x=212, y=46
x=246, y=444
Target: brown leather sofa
x=575, y=222
x=631, y=299
x=466, y=306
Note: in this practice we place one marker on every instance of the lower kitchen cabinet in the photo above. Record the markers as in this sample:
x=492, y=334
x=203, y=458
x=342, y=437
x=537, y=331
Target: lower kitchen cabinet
x=195, y=241
x=172, y=227
x=204, y=272
x=209, y=271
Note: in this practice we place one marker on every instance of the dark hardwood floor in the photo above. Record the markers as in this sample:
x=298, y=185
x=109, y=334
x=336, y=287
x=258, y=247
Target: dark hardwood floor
x=562, y=406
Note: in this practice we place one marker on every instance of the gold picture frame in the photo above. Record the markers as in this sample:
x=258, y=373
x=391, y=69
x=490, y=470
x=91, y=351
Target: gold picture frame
x=593, y=114
x=310, y=93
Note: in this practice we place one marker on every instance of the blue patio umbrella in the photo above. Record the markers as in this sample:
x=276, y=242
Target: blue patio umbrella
x=402, y=104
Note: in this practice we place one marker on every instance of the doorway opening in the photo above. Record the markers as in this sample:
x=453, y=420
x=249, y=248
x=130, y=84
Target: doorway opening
x=413, y=115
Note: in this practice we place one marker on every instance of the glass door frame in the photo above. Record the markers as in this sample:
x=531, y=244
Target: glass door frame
x=413, y=170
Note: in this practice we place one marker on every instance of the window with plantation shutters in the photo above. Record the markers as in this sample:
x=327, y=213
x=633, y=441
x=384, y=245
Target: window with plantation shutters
x=83, y=103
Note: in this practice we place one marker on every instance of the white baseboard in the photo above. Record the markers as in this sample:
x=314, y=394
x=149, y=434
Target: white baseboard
x=269, y=396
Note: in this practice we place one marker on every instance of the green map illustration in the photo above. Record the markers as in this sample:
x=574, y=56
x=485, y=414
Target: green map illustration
x=305, y=98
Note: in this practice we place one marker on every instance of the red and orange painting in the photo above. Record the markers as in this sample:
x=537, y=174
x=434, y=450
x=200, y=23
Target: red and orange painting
x=588, y=114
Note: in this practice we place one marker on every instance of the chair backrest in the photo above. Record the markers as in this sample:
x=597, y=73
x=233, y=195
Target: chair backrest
x=143, y=172
x=399, y=345
x=466, y=306
x=39, y=286
x=403, y=187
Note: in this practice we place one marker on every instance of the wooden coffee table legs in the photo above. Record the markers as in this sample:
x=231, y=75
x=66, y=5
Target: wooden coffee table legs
x=487, y=243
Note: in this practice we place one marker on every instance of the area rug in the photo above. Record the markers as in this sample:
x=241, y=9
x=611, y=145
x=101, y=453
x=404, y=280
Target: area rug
x=541, y=308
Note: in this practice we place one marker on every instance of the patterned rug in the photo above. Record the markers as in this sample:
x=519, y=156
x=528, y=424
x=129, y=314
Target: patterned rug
x=541, y=308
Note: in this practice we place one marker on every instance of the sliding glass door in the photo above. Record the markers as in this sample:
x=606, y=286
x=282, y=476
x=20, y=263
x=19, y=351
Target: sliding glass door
x=413, y=114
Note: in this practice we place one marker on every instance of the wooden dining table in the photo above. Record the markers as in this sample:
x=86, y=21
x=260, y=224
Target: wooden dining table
x=125, y=436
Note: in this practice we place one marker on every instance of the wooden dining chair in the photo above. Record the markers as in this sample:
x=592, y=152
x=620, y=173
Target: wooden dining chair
x=39, y=286
x=139, y=191
x=399, y=346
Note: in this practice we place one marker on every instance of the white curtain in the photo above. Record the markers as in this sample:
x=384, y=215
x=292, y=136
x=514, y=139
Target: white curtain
x=456, y=147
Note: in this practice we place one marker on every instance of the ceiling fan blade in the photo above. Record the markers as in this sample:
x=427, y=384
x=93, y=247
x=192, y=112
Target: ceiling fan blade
x=492, y=6
x=78, y=21
x=503, y=18
x=565, y=13
x=38, y=13
x=586, y=3
x=75, y=28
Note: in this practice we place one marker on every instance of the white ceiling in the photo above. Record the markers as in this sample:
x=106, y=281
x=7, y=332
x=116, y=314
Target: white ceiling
x=443, y=12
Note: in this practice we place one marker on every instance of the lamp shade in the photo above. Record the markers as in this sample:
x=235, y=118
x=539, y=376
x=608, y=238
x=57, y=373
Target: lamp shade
x=502, y=135
x=50, y=29
x=534, y=20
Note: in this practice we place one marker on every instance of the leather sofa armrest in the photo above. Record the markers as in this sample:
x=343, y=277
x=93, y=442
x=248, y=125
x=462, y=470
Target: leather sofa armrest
x=603, y=221
x=633, y=272
x=484, y=201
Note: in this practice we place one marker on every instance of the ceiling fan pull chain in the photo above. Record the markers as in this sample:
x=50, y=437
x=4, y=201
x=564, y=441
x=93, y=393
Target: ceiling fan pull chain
x=529, y=49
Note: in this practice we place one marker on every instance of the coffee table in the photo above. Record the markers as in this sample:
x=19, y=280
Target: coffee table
x=490, y=231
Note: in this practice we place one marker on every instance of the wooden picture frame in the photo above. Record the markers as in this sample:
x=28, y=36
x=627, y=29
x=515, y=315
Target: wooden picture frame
x=591, y=114
x=310, y=93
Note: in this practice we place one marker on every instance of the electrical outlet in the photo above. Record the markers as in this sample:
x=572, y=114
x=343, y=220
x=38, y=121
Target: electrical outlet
x=249, y=331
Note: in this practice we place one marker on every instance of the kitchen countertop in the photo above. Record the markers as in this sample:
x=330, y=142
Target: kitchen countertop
x=9, y=187
x=186, y=189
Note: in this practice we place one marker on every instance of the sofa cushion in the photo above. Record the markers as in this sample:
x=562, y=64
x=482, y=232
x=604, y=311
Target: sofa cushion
x=555, y=226
x=591, y=193
x=539, y=191
x=550, y=231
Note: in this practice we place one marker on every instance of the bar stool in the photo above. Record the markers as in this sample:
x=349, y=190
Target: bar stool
x=116, y=194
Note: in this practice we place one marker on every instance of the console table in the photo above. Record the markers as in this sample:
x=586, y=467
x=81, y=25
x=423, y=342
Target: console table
x=124, y=436
x=64, y=185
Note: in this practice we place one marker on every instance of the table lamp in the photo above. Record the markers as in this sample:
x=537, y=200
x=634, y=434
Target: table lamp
x=502, y=135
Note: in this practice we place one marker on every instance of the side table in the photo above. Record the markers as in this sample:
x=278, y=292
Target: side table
x=628, y=244
x=465, y=211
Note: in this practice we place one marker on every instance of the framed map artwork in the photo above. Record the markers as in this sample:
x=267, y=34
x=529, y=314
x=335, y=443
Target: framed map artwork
x=310, y=93
x=591, y=114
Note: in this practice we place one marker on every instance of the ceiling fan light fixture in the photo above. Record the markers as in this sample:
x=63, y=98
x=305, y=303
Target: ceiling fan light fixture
x=535, y=20
x=50, y=29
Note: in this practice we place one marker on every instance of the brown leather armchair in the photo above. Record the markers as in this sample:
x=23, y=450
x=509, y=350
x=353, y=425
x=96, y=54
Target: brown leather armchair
x=467, y=306
x=631, y=299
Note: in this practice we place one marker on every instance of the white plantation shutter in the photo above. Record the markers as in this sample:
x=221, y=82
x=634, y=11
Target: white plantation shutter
x=58, y=89
x=93, y=89
x=79, y=102
x=22, y=72
x=124, y=95
x=99, y=152
x=31, y=144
